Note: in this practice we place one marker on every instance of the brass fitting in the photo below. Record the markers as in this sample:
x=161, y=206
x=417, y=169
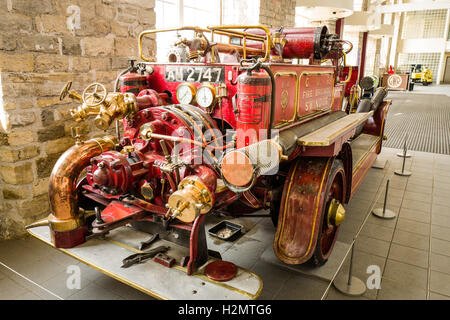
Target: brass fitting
x=190, y=200
x=336, y=213
x=112, y=106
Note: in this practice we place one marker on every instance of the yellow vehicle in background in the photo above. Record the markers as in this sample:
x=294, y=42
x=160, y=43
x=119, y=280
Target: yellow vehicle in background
x=421, y=74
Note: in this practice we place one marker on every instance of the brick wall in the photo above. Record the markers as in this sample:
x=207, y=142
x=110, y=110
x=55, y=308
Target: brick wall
x=277, y=13
x=43, y=44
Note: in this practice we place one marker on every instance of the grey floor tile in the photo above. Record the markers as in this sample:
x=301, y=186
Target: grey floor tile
x=413, y=226
x=10, y=289
x=252, y=247
x=418, y=188
x=413, y=240
x=372, y=246
x=442, y=201
x=393, y=290
x=389, y=223
x=334, y=294
x=440, y=220
x=41, y=270
x=130, y=293
x=415, y=215
x=28, y=296
x=440, y=263
x=299, y=287
x=406, y=274
x=439, y=232
x=440, y=246
x=30, y=285
x=417, y=205
x=437, y=296
x=440, y=283
x=273, y=277
x=59, y=284
x=409, y=255
x=417, y=196
x=94, y=292
x=377, y=232
x=441, y=210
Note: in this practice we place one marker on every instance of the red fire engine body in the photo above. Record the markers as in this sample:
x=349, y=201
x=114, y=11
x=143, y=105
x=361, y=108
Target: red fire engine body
x=236, y=127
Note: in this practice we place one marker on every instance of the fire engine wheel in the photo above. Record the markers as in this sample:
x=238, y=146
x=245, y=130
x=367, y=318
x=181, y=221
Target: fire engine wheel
x=335, y=189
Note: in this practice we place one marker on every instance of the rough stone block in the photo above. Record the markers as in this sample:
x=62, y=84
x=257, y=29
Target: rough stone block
x=119, y=30
x=51, y=133
x=98, y=46
x=33, y=8
x=125, y=47
x=8, y=42
x=45, y=102
x=55, y=24
x=80, y=64
x=39, y=43
x=47, y=117
x=36, y=206
x=93, y=26
x=15, y=22
x=147, y=17
x=21, y=119
x=105, y=11
x=44, y=165
x=17, y=174
x=103, y=64
x=16, y=193
x=127, y=14
x=18, y=138
x=51, y=62
x=140, y=3
x=40, y=186
x=59, y=145
x=71, y=46
x=16, y=62
x=13, y=155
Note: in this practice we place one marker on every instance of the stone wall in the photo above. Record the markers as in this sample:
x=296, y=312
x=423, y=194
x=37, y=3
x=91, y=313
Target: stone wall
x=44, y=44
x=277, y=13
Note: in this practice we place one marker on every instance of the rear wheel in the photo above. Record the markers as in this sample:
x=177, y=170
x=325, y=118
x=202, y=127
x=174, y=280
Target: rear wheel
x=328, y=231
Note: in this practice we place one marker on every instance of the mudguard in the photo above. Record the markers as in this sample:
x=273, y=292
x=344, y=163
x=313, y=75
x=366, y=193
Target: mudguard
x=300, y=211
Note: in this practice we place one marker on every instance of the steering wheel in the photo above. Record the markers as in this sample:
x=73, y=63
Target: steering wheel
x=65, y=90
x=91, y=92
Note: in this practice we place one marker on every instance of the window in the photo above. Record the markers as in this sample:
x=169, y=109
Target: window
x=178, y=13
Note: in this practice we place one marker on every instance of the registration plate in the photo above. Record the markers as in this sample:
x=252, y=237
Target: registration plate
x=195, y=74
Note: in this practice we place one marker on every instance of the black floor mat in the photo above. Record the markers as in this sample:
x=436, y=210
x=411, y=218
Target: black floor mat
x=425, y=118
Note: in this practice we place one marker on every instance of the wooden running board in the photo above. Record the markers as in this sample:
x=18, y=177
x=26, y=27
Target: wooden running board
x=328, y=134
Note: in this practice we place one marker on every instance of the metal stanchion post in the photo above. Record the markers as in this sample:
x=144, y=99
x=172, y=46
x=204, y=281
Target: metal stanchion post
x=383, y=212
x=350, y=285
x=405, y=153
x=403, y=172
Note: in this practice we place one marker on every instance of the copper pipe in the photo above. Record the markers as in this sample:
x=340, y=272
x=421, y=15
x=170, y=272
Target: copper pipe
x=63, y=195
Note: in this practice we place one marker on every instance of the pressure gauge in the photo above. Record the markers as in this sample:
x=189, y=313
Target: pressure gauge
x=206, y=96
x=186, y=93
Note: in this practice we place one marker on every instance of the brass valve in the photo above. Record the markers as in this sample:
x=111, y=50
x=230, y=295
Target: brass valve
x=106, y=107
x=190, y=200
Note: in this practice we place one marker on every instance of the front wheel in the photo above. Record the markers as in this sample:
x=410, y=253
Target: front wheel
x=329, y=226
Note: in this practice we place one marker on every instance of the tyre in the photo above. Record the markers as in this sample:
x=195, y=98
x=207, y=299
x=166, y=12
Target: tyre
x=335, y=189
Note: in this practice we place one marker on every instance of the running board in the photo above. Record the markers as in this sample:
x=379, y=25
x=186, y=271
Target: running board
x=341, y=129
x=152, y=278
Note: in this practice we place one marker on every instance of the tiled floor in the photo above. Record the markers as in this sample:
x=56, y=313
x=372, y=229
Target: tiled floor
x=412, y=250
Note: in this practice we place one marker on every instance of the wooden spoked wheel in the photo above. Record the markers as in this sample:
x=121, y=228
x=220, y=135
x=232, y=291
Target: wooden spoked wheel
x=335, y=189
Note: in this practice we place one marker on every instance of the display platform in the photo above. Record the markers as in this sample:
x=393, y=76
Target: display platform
x=152, y=278
x=325, y=272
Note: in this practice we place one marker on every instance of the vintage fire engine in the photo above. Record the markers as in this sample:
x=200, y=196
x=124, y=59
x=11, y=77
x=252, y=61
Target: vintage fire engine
x=236, y=126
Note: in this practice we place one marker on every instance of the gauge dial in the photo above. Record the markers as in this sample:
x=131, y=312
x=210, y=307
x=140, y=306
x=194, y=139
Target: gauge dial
x=206, y=96
x=186, y=93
